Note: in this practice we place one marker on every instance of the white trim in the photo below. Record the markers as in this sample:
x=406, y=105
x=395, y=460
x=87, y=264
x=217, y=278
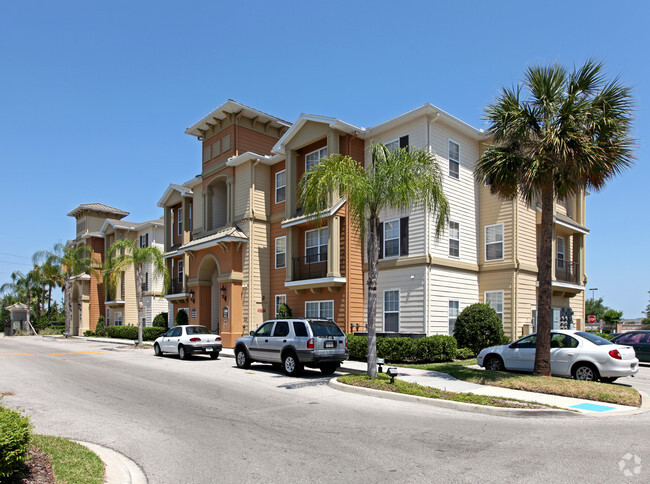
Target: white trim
x=319, y=302
x=326, y=281
x=275, y=251
x=449, y=301
x=450, y=160
x=383, y=304
x=450, y=239
x=557, y=252
x=485, y=242
x=318, y=246
x=283, y=186
x=399, y=242
x=502, y=293
x=179, y=211
x=308, y=218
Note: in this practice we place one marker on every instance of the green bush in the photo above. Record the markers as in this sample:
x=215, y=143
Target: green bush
x=89, y=333
x=150, y=334
x=478, y=326
x=464, y=354
x=14, y=440
x=437, y=348
x=161, y=320
x=181, y=317
x=131, y=332
x=284, y=311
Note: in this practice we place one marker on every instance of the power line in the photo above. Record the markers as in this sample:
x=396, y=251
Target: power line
x=15, y=255
x=15, y=263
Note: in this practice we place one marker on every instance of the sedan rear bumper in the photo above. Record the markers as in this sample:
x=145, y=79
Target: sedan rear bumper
x=203, y=348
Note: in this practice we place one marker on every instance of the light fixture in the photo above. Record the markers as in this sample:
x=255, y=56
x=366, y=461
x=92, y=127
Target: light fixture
x=192, y=295
x=223, y=292
x=380, y=361
x=392, y=373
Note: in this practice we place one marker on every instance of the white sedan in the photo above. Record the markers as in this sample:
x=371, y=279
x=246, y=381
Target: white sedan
x=187, y=339
x=583, y=356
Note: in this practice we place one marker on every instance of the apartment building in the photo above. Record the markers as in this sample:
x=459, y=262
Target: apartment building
x=98, y=226
x=238, y=244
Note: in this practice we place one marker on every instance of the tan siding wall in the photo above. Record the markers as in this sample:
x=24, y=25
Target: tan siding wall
x=499, y=281
x=412, y=296
x=262, y=195
x=242, y=190
x=526, y=301
x=446, y=284
x=493, y=210
x=197, y=209
x=526, y=233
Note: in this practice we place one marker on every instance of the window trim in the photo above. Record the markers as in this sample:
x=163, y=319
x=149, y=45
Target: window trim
x=319, y=311
x=277, y=305
x=396, y=140
x=283, y=186
x=179, y=272
x=180, y=220
x=557, y=252
x=502, y=242
x=278, y=253
x=399, y=241
x=320, y=254
x=449, y=158
x=502, y=293
x=457, y=240
x=399, y=308
x=449, y=301
x=318, y=160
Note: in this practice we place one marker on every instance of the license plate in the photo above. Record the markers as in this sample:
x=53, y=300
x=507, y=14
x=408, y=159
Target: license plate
x=209, y=349
x=330, y=344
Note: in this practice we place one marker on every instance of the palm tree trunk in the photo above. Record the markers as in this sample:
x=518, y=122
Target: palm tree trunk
x=373, y=272
x=49, y=300
x=68, y=304
x=138, y=299
x=544, y=276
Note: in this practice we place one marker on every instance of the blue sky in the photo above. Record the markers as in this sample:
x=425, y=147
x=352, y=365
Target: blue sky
x=95, y=96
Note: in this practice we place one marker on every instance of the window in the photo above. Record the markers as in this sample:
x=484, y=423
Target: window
x=392, y=145
x=319, y=309
x=454, y=159
x=632, y=338
x=280, y=186
x=279, y=300
x=265, y=329
x=454, y=239
x=144, y=240
x=495, y=300
x=180, y=272
x=391, y=238
x=180, y=221
x=118, y=318
x=300, y=329
x=560, y=252
x=280, y=252
x=402, y=142
x=391, y=311
x=394, y=238
x=145, y=283
x=494, y=242
x=316, y=245
x=312, y=159
x=122, y=288
x=281, y=328
x=189, y=213
x=454, y=307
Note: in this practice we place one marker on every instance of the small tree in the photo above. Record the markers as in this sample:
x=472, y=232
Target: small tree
x=181, y=317
x=612, y=316
x=284, y=311
x=100, y=328
x=478, y=327
x=161, y=320
x=595, y=307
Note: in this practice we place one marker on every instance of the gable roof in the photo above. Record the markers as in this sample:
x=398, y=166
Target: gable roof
x=97, y=207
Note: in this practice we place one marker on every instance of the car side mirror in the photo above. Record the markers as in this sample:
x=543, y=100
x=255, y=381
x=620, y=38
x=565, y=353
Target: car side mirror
x=252, y=333
x=513, y=346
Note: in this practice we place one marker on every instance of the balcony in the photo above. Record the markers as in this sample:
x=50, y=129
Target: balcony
x=175, y=287
x=309, y=267
x=566, y=271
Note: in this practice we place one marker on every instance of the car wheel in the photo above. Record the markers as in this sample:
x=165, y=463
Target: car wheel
x=585, y=371
x=156, y=350
x=609, y=380
x=183, y=354
x=242, y=359
x=291, y=365
x=214, y=355
x=494, y=363
x=329, y=368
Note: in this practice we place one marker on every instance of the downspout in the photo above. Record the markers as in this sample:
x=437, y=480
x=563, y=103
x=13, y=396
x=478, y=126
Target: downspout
x=515, y=285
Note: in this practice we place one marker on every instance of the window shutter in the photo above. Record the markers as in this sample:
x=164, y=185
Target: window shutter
x=404, y=236
x=404, y=142
x=381, y=240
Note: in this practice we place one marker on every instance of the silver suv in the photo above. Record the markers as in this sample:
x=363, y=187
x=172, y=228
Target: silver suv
x=294, y=343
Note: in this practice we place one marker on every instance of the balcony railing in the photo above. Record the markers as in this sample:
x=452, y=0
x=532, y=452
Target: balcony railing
x=175, y=287
x=309, y=267
x=567, y=271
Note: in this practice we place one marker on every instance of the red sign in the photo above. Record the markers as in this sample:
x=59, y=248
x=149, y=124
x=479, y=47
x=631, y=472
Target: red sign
x=591, y=319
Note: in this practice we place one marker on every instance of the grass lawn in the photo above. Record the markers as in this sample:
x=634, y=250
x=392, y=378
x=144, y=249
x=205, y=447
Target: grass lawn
x=382, y=382
x=590, y=390
x=71, y=462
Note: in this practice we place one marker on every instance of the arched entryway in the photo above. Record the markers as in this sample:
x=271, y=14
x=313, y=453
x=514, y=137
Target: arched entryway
x=208, y=290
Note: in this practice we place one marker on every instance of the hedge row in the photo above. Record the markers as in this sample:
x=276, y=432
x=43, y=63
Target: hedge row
x=14, y=440
x=131, y=332
x=430, y=349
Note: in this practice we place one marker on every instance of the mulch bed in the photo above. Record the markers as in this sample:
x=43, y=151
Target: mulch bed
x=37, y=470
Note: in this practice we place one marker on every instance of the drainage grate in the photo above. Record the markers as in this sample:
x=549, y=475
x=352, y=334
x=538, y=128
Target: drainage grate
x=6, y=394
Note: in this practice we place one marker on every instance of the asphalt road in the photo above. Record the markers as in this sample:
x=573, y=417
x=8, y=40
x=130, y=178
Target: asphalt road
x=207, y=421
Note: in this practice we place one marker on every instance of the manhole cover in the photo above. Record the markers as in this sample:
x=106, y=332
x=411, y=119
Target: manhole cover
x=6, y=394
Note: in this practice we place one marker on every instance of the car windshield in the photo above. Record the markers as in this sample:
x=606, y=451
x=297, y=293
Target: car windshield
x=197, y=330
x=597, y=340
x=325, y=328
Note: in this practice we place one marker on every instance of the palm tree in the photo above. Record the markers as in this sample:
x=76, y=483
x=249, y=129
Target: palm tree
x=395, y=179
x=562, y=133
x=72, y=261
x=125, y=253
x=22, y=286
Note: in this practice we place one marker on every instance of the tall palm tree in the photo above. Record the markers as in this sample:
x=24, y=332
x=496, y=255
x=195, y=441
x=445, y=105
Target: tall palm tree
x=125, y=253
x=72, y=261
x=397, y=179
x=556, y=135
x=22, y=286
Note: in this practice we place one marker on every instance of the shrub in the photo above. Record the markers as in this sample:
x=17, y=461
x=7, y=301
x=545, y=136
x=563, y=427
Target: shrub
x=150, y=334
x=435, y=349
x=100, y=328
x=284, y=311
x=89, y=333
x=122, y=332
x=161, y=320
x=478, y=327
x=358, y=346
x=14, y=440
x=464, y=354
x=430, y=349
x=181, y=317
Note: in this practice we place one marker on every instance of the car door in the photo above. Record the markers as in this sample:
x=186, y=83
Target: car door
x=171, y=339
x=564, y=351
x=278, y=340
x=520, y=355
x=259, y=347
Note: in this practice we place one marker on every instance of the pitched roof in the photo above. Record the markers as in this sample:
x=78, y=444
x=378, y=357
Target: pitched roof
x=97, y=207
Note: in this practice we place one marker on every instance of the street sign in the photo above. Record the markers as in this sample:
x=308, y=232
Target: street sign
x=591, y=319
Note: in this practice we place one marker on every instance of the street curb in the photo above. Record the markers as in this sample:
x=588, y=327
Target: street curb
x=119, y=469
x=461, y=406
